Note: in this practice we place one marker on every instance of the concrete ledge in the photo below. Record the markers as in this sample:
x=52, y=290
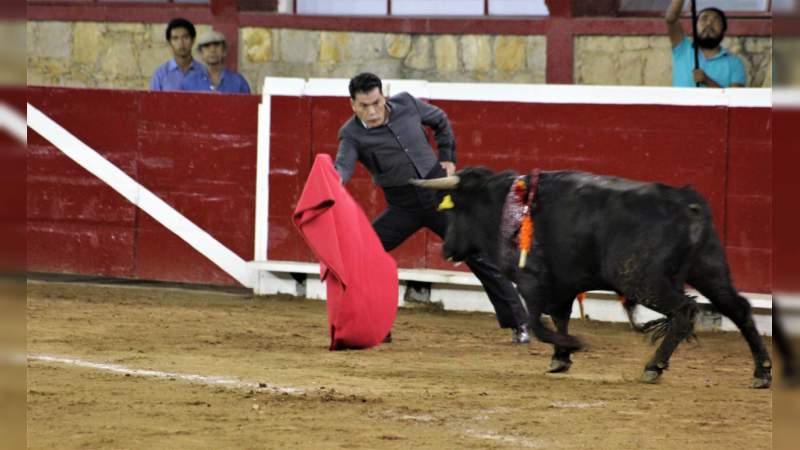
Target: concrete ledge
x=461, y=291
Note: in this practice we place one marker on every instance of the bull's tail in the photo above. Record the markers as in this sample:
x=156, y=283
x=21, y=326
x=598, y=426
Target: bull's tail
x=659, y=328
x=656, y=329
x=700, y=225
x=698, y=213
x=697, y=223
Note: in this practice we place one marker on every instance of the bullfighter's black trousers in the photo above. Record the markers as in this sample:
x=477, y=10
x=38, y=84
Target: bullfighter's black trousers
x=411, y=208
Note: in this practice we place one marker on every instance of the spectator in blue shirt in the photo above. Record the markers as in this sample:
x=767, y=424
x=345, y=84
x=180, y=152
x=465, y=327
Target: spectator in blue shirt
x=717, y=66
x=168, y=76
x=215, y=78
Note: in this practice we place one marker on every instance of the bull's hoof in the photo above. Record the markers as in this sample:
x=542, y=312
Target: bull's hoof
x=651, y=376
x=559, y=366
x=761, y=383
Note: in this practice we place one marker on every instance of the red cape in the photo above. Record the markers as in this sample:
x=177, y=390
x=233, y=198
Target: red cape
x=360, y=276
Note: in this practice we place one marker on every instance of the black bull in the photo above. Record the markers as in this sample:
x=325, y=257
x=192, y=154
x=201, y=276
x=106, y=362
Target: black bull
x=643, y=240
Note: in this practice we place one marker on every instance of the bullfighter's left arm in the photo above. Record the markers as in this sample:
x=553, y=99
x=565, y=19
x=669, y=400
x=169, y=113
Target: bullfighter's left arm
x=436, y=119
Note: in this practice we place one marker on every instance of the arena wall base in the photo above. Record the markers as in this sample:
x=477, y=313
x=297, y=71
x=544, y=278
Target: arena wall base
x=461, y=291
x=271, y=283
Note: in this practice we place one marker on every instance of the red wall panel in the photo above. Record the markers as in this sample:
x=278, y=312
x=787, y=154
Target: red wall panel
x=161, y=255
x=13, y=189
x=786, y=185
x=749, y=197
x=198, y=153
x=290, y=162
x=81, y=248
x=76, y=223
x=195, y=151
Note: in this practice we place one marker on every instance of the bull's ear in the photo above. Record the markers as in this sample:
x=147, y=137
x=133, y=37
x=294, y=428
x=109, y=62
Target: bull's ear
x=444, y=183
x=447, y=203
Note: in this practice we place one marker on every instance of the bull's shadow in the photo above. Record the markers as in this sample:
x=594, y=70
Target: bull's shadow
x=589, y=232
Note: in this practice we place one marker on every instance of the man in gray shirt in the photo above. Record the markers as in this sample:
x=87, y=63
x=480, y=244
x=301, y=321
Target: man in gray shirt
x=387, y=136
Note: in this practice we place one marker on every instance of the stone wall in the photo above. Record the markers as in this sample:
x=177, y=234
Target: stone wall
x=647, y=60
x=124, y=55
x=327, y=54
x=92, y=54
x=12, y=53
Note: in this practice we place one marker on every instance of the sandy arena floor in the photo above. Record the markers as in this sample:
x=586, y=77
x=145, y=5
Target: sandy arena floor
x=449, y=380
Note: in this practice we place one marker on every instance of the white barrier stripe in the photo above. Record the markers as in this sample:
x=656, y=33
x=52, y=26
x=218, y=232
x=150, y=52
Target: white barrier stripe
x=262, y=179
x=223, y=381
x=539, y=93
x=14, y=123
x=786, y=97
x=749, y=97
x=159, y=210
x=291, y=87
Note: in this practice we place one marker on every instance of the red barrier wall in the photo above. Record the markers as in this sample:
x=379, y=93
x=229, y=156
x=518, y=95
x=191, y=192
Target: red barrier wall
x=786, y=185
x=748, y=201
x=195, y=151
x=12, y=184
x=198, y=153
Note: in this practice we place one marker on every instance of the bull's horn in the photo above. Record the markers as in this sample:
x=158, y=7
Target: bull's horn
x=437, y=183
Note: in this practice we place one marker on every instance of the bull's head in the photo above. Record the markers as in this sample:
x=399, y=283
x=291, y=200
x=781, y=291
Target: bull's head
x=472, y=209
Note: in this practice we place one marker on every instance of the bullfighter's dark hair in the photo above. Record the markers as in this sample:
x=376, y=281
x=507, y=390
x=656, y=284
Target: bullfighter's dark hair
x=364, y=82
x=180, y=22
x=720, y=14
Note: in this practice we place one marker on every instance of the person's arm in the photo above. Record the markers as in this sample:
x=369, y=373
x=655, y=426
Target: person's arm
x=673, y=18
x=738, y=80
x=346, y=158
x=445, y=140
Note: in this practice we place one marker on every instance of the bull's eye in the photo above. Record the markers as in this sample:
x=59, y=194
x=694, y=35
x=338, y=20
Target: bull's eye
x=447, y=203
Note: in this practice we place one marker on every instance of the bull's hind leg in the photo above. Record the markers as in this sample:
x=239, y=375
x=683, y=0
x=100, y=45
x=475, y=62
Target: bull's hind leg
x=662, y=296
x=710, y=275
x=677, y=327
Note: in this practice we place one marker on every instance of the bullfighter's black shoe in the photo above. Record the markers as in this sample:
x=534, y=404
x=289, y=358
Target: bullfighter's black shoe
x=520, y=335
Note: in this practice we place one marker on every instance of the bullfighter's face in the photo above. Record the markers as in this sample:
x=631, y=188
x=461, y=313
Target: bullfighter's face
x=370, y=107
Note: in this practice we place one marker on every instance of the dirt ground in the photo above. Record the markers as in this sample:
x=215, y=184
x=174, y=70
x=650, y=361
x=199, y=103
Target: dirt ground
x=449, y=380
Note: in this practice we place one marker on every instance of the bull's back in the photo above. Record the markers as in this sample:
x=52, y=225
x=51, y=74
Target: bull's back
x=606, y=198
x=587, y=220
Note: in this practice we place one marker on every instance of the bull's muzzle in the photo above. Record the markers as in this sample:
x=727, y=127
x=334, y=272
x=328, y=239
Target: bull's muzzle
x=450, y=182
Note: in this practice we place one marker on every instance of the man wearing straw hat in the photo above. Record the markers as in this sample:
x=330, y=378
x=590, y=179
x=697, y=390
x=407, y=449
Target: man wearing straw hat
x=216, y=77
x=708, y=64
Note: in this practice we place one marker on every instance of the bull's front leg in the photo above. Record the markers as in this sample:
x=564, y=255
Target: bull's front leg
x=537, y=294
x=561, y=361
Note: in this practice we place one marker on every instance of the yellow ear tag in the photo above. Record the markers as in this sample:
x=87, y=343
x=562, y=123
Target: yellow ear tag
x=447, y=203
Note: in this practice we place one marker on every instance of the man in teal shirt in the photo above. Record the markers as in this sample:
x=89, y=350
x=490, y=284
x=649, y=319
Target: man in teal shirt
x=718, y=67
